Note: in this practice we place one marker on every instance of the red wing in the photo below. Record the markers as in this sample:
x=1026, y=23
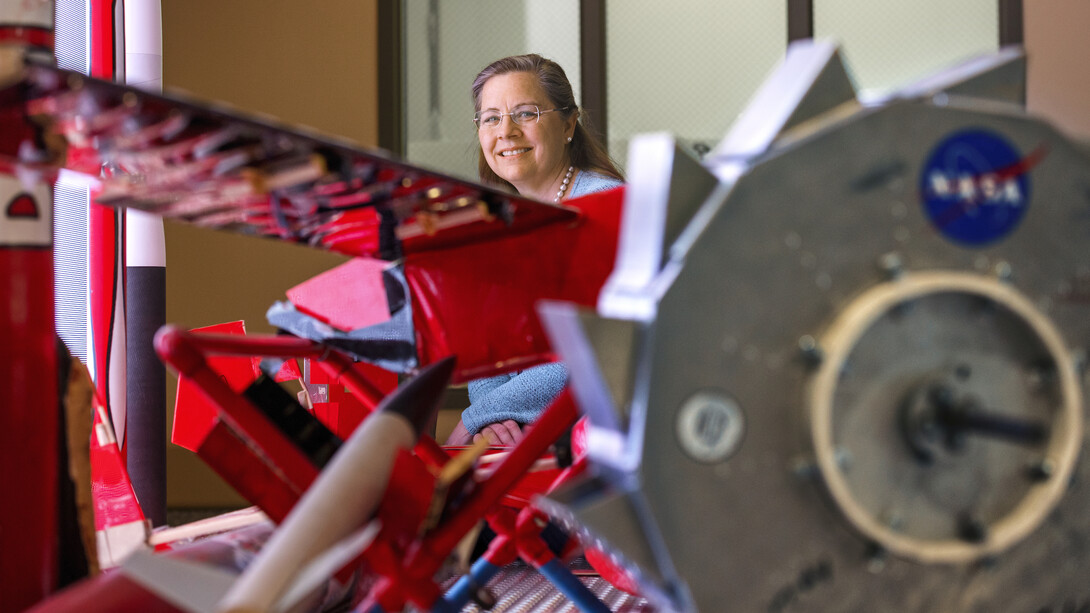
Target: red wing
x=218, y=168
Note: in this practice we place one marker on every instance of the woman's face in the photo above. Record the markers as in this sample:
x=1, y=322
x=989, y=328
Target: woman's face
x=531, y=156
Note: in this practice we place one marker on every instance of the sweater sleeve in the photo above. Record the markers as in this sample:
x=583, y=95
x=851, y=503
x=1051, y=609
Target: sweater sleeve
x=589, y=182
x=522, y=397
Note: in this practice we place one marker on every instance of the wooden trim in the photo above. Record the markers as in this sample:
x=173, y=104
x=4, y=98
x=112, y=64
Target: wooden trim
x=592, y=68
x=1011, y=23
x=390, y=92
x=800, y=20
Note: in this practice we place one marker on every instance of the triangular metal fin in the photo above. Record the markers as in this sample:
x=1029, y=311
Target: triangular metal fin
x=831, y=88
x=606, y=521
x=600, y=355
x=995, y=76
x=810, y=81
x=616, y=343
x=665, y=189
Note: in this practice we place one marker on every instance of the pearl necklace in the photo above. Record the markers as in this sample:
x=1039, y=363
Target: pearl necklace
x=564, y=185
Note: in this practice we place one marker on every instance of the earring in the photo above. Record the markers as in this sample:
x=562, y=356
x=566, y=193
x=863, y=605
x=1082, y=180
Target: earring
x=569, y=139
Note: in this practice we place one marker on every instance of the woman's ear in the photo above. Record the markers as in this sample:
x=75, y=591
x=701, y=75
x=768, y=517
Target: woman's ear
x=569, y=126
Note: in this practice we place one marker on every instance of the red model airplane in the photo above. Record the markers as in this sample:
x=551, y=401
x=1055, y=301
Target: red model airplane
x=458, y=267
x=465, y=263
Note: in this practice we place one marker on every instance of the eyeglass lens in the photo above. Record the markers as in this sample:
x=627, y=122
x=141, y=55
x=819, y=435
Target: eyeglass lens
x=522, y=115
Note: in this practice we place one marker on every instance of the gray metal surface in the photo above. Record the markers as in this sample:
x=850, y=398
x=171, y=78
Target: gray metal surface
x=776, y=272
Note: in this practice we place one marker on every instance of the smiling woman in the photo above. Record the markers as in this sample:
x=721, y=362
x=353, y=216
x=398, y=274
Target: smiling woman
x=532, y=141
x=530, y=135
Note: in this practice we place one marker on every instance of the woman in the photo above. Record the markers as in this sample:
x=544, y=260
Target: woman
x=531, y=141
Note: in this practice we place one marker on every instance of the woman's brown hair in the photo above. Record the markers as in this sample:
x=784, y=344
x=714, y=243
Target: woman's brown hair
x=587, y=152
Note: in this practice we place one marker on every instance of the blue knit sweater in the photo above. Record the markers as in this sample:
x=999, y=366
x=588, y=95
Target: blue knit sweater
x=523, y=396
x=588, y=182
x=519, y=396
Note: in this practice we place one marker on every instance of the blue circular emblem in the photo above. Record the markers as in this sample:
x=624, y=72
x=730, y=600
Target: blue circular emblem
x=975, y=187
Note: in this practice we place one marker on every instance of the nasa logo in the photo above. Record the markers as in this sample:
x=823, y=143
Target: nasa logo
x=975, y=187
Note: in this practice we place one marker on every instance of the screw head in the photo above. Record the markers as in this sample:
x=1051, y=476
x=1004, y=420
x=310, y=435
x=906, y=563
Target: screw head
x=892, y=264
x=876, y=558
x=804, y=468
x=972, y=529
x=844, y=459
x=810, y=349
x=710, y=426
x=484, y=598
x=1041, y=470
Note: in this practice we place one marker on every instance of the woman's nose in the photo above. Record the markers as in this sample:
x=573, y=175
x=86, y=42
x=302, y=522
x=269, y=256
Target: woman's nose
x=508, y=125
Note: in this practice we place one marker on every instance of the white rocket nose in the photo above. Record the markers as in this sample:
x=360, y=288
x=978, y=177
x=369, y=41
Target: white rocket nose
x=346, y=494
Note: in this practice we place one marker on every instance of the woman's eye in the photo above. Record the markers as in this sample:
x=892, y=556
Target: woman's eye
x=524, y=116
x=490, y=120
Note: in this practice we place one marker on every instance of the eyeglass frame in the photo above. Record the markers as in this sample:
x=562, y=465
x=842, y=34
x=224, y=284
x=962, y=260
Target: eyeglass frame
x=537, y=116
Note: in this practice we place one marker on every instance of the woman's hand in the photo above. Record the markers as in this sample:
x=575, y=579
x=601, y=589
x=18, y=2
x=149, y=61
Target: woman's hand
x=503, y=433
x=459, y=436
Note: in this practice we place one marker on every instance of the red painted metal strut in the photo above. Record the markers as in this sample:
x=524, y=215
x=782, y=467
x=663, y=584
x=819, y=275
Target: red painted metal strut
x=30, y=436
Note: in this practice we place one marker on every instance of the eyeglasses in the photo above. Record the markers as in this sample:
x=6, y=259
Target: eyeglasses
x=522, y=115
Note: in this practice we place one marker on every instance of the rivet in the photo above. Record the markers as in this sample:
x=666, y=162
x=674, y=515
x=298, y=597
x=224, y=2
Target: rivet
x=892, y=264
x=811, y=351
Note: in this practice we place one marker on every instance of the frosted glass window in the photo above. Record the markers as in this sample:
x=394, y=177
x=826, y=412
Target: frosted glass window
x=447, y=43
x=891, y=43
x=688, y=68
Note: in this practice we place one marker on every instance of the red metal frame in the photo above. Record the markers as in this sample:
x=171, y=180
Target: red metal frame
x=452, y=289
x=410, y=579
x=106, y=250
x=575, y=256
x=407, y=569
x=30, y=438
x=185, y=352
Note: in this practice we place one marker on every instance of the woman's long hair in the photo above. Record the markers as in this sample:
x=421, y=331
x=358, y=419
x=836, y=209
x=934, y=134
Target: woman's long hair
x=586, y=153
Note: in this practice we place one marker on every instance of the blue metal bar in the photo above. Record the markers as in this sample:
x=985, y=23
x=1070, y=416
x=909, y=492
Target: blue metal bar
x=442, y=606
x=572, y=587
x=479, y=575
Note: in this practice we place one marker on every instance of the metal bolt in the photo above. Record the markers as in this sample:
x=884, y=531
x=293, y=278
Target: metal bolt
x=876, y=557
x=1079, y=360
x=793, y=241
x=972, y=529
x=484, y=598
x=963, y=371
x=892, y=264
x=1003, y=270
x=1041, y=375
x=804, y=468
x=811, y=351
x=844, y=459
x=1041, y=470
x=894, y=519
